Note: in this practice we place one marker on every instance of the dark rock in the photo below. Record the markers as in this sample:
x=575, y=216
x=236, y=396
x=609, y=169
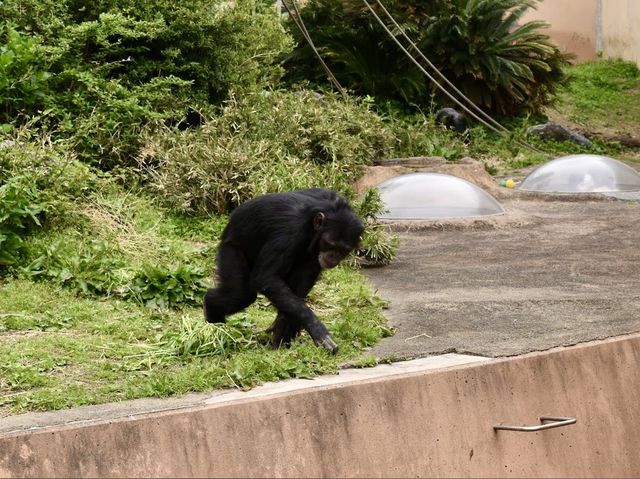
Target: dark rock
x=450, y=118
x=553, y=131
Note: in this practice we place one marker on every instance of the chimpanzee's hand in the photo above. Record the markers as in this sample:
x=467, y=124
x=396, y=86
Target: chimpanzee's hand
x=327, y=343
x=320, y=334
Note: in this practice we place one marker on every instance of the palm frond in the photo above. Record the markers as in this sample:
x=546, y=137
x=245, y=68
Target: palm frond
x=505, y=65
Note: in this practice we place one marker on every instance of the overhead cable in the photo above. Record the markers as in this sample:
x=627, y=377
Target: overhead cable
x=437, y=71
x=501, y=130
x=297, y=19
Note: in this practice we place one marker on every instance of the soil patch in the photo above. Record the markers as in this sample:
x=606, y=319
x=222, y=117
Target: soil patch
x=466, y=168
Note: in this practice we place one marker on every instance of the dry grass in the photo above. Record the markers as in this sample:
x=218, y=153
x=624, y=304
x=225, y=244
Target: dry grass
x=113, y=219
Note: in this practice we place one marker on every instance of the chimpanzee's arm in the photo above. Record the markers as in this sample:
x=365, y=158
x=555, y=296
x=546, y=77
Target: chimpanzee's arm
x=267, y=280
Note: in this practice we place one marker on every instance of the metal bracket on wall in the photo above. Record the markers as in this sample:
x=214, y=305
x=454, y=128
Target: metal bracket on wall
x=557, y=421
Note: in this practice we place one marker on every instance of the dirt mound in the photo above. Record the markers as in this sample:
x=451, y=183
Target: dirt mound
x=466, y=168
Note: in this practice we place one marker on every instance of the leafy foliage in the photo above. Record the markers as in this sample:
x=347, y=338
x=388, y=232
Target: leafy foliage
x=377, y=247
x=98, y=268
x=115, y=67
x=36, y=179
x=481, y=46
x=45, y=190
x=263, y=143
x=19, y=209
x=163, y=286
x=92, y=269
x=23, y=79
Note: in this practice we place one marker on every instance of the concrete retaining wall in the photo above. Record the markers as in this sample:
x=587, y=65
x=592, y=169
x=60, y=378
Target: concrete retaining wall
x=424, y=423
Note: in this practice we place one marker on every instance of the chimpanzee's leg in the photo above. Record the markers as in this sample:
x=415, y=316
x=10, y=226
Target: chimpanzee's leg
x=285, y=328
x=233, y=292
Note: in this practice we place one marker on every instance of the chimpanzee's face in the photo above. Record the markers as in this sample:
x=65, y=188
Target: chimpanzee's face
x=332, y=251
x=339, y=235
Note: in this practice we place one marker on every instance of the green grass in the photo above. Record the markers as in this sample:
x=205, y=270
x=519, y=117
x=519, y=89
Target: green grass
x=603, y=96
x=60, y=350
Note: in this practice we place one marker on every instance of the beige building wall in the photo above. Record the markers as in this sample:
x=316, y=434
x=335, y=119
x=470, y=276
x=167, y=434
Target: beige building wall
x=583, y=27
x=572, y=24
x=621, y=29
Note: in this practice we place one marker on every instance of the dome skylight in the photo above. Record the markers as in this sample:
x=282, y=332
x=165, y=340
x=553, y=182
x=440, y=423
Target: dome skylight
x=582, y=174
x=434, y=195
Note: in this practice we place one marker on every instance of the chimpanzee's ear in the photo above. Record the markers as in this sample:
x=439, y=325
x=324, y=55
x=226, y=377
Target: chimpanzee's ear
x=318, y=220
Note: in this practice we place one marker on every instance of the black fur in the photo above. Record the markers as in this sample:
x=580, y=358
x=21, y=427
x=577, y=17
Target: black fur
x=450, y=118
x=274, y=244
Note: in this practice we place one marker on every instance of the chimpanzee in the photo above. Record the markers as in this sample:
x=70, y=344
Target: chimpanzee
x=450, y=118
x=277, y=244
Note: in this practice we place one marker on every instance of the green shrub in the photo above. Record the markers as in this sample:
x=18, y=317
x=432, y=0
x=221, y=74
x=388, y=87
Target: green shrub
x=118, y=66
x=99, y=268
x=23, y=79
x=19, y=210
x=502, y=65
x=37, y=181
x=104, y=120
x=94, y=268
x=55, y=173
x=163, y=286
x=265, y=142
x=377, y=246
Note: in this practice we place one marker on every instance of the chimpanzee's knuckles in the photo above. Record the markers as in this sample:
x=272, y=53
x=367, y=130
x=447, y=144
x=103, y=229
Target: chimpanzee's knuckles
x=328, y=343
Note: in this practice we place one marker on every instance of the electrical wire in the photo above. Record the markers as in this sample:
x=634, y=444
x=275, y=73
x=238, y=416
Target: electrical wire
x=297, y=19
x=437, y=71
x=501, y=131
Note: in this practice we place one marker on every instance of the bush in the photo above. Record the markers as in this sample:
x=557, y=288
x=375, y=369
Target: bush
x=19, y=210
x=23, y=79
x=37, y=180
x=502, y=66
x=94, y=268
x=162, y=286
x=98, y=269
x=265, y=142
x=121, y=65
x=377, y=246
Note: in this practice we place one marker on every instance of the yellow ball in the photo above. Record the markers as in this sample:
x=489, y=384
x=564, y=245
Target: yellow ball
x=509, y=183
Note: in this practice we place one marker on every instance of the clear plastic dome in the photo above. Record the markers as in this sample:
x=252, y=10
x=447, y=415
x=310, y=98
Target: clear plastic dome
x=434, y=195
x=582, y=174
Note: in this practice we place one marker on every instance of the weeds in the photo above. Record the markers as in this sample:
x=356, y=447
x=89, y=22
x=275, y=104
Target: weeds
x=164, y=286
x=377, y=247
x=60, y=350
x=262, y=143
